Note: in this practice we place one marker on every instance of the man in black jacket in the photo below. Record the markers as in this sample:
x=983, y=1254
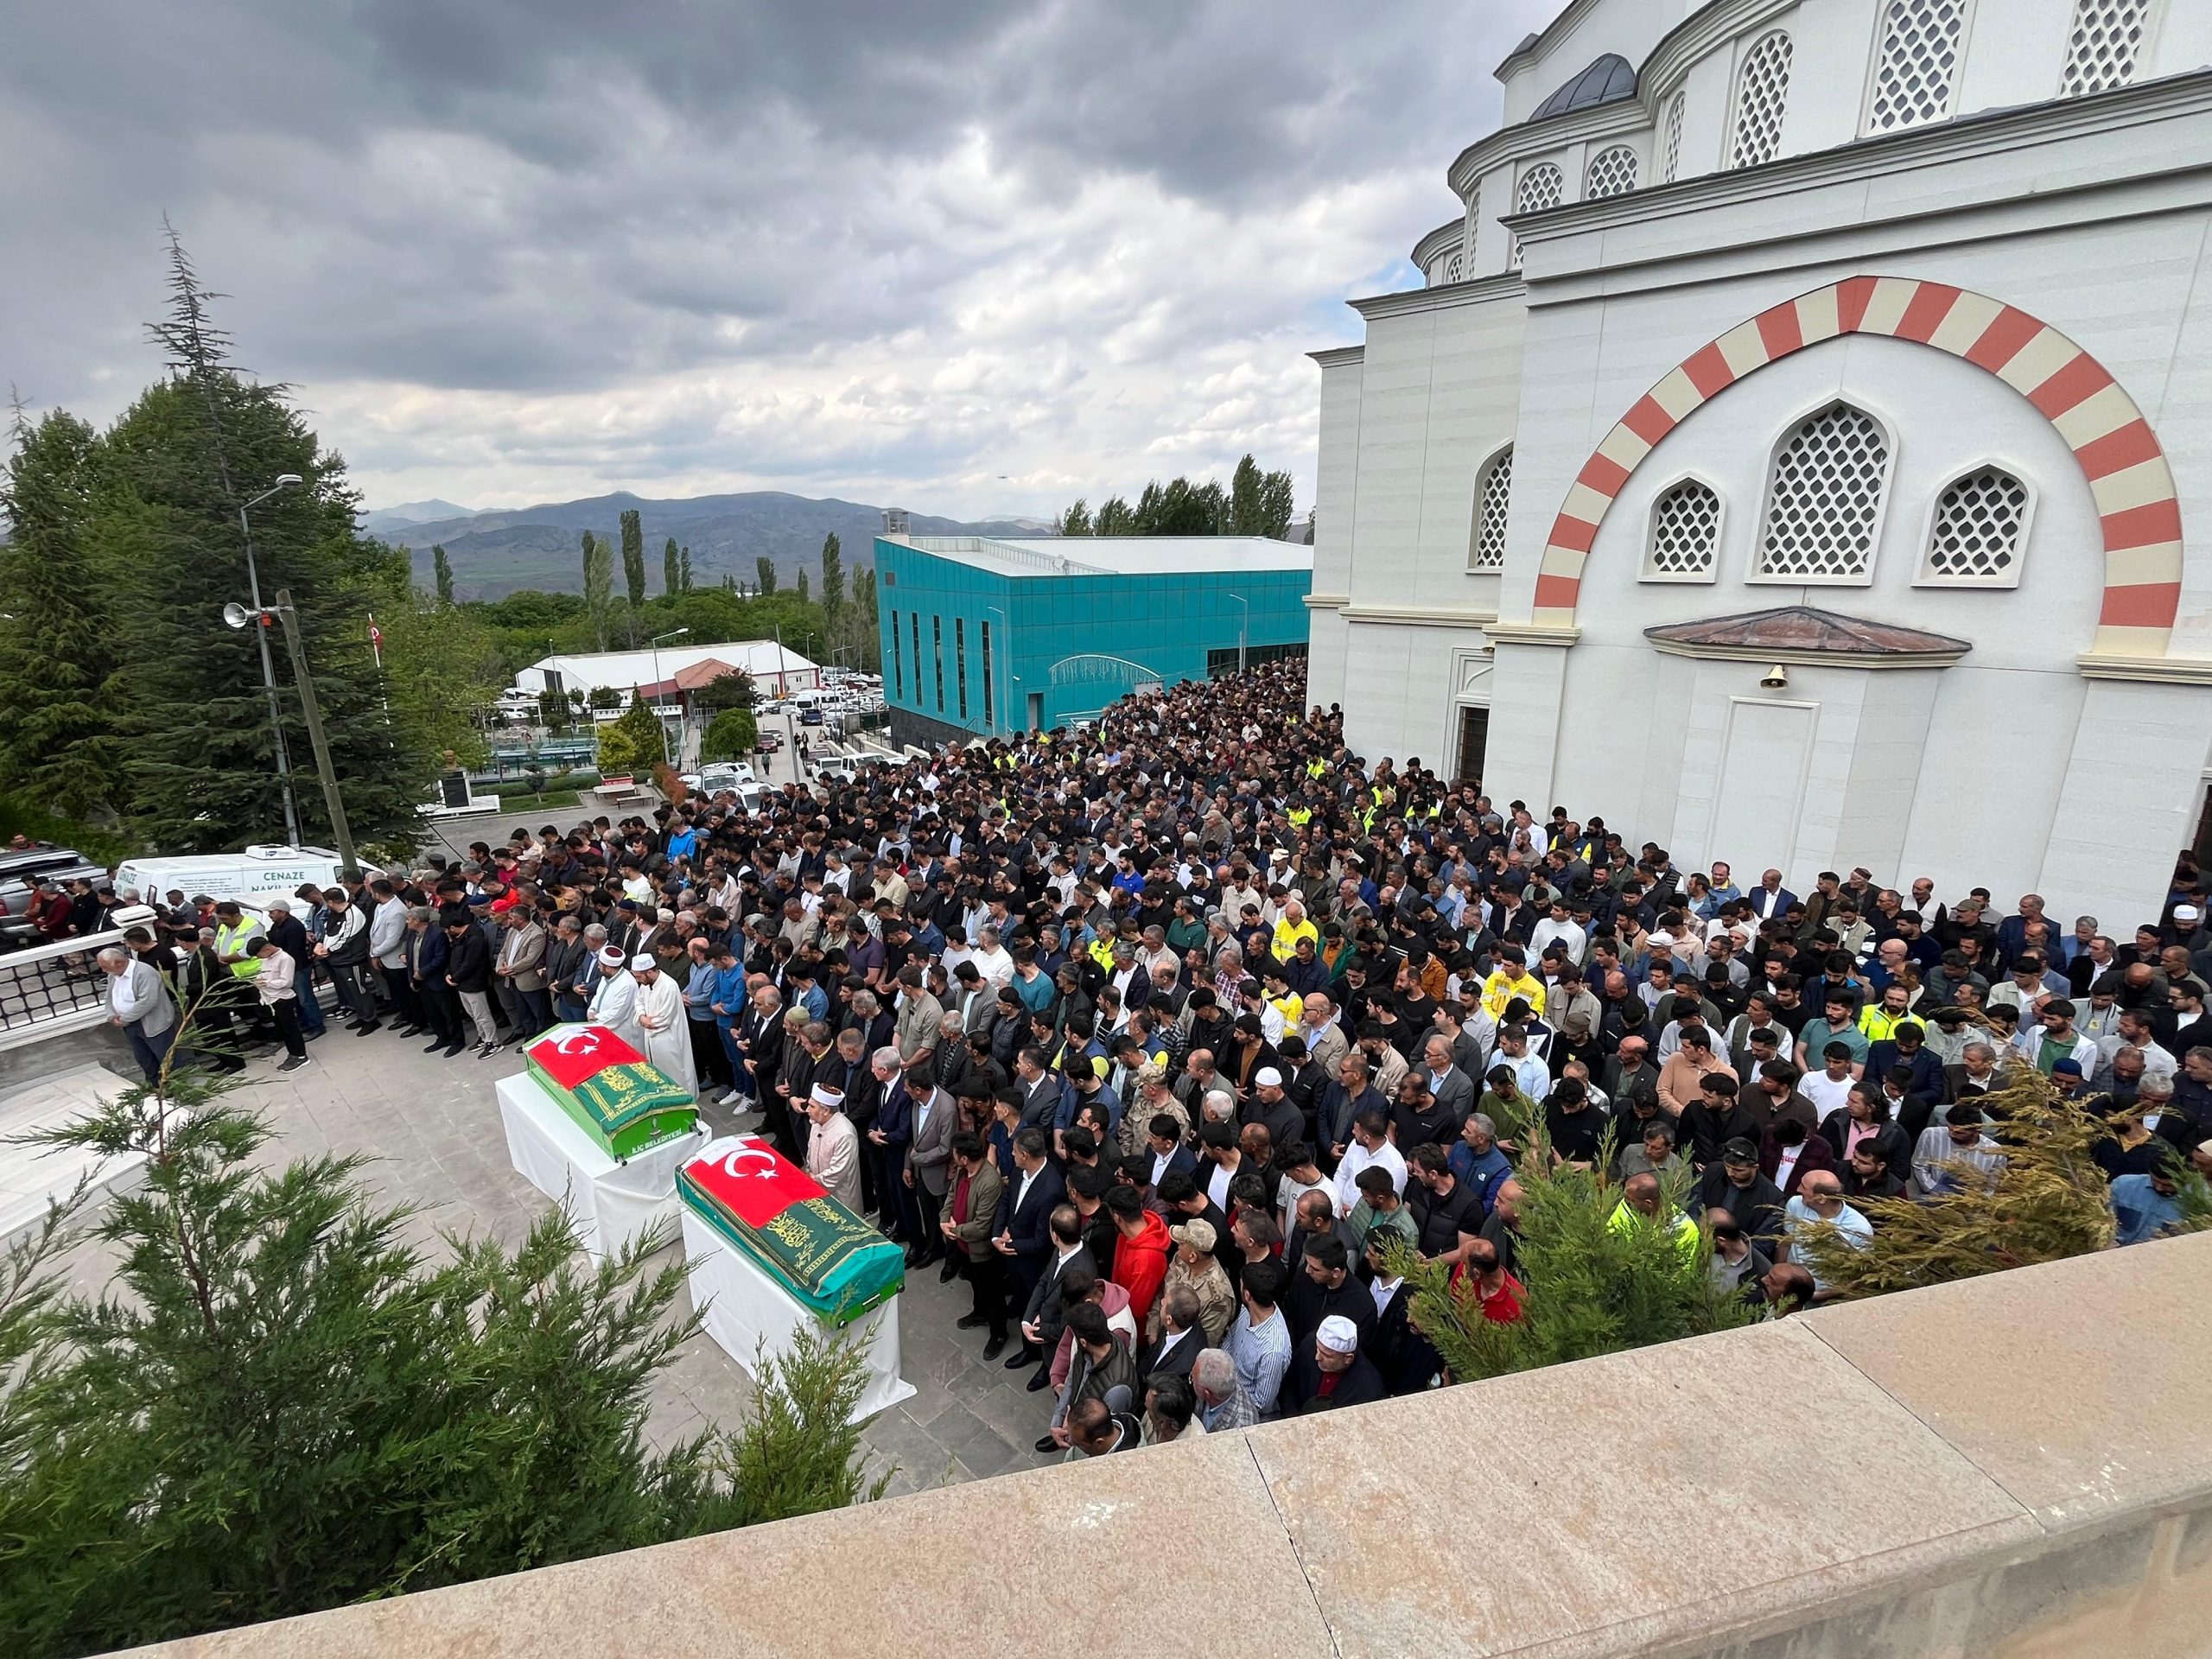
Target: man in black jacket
x=344, y=948
x=1735, y=1184
x=468, y=972
x=1328, y=1371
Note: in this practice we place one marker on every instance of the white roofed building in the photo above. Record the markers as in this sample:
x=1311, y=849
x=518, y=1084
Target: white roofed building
x=771, y=667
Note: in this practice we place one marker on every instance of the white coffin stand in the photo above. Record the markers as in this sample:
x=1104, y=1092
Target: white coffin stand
x=753, y=1318
x=613, y=1203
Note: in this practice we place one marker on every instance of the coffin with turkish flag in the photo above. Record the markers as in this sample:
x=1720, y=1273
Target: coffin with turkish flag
x=781, y=1217
x=621, y=1101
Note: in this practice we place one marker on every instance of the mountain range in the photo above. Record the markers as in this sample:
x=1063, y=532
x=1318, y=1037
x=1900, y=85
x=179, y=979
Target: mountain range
x=494, y=553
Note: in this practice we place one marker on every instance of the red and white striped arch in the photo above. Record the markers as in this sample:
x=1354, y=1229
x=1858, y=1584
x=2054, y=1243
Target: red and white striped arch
x=2119, y=454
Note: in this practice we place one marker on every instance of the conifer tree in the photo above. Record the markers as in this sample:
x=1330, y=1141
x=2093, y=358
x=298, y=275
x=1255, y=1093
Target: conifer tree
x=798, y=587
x=672, y=569
x=199, y=765
x=286, y=1405
x=1594, y=1281
x=441, y=572
x=599, y=585
x=2050, y=1200
x=683, y=584
x=765, y=569
x=634, y=558
x=833, y=580
x=59, y=747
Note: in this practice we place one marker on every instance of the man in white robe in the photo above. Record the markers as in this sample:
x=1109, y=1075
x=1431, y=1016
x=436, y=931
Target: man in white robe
x=613, y=1001
x=833, y=1151
x=658, y=1027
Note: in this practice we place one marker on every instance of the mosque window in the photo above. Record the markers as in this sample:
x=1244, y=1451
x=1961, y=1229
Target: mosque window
x=1916, y=65
x=1542, y=187
x=1611, y=174
x=1762, y=93
x=2102, y=50
x=1493, y=497
x=1825, y=501
x=1980, y=522
x=1685, y=533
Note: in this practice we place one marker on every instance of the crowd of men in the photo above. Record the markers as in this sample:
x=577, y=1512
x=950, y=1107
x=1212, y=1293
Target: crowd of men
x=1157, y=1033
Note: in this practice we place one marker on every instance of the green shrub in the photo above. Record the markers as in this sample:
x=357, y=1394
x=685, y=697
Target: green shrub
x=283, y=1405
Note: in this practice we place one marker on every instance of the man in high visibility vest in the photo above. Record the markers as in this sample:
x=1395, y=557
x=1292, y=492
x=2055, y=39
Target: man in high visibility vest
x=238, y=946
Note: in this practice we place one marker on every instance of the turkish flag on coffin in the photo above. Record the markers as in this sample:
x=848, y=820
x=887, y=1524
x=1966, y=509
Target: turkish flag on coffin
x=571, y=1054
x=752, y=1180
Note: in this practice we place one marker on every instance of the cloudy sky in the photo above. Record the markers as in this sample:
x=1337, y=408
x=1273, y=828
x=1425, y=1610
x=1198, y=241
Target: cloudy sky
x=964, y=256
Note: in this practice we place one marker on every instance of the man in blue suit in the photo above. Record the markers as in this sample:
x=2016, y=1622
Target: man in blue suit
x=1770, y=899
x=1022, y=1230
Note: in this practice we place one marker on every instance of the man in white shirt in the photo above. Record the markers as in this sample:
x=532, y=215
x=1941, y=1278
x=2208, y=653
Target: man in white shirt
x=993, y=961
x=1557, y=928
x=1819, y=1197
x=1370, y=1145
x=140, y=1004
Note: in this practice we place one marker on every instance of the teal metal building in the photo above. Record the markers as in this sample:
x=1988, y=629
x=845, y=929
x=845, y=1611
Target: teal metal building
x=983, y=637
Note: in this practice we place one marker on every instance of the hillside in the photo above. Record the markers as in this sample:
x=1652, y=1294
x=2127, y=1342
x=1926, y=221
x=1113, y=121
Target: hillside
x=495, y=553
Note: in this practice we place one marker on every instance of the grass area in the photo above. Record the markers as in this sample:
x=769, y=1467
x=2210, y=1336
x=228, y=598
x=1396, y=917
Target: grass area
x=103, y=846
x=512, y=798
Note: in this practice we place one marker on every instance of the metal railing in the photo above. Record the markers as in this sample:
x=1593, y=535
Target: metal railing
x=51, y=988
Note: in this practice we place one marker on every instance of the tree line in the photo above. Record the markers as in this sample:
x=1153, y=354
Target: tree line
x=132, y=716
x=1254, y=503
x=126, y=700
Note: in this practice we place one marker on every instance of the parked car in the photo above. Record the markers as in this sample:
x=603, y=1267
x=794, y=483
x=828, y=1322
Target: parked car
x=771, y=742
x=21, y=871
x=810, y=717
x=722, y=774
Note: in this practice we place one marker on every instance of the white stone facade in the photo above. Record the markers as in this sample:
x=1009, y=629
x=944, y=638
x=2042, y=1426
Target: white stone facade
x=1938, y=361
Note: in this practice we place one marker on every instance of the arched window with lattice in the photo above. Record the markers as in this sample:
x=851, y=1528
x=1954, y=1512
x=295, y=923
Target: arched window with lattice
x=1542, y=186
x=1493, y=499
x=1915, y=63
x=1762, y=97
x=2103, y=46
x=1613, y=173
x=1824, y=499
x=1670, y=145
x=1978, y=530
x=1685, y=544
x=1468, y=237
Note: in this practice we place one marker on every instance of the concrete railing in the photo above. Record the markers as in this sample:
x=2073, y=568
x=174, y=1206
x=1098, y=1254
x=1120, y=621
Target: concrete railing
x=2014, y=1466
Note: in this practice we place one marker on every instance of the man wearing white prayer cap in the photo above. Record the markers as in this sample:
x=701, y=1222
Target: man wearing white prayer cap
x=613, y=999
x=1330, y=1371
x=658, y=1028
x=833, y=1148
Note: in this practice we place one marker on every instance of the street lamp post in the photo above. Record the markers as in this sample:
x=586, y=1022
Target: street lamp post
x=1006, y=636
x=284, y=481
x=673, y=633
x=237, y=616
x=1243, y=626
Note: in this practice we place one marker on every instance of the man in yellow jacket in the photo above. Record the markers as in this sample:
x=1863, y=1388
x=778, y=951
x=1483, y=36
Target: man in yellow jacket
x=1509, y=979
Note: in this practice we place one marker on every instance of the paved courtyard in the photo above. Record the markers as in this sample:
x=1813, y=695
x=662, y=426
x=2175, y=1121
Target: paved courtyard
x=433, y=1125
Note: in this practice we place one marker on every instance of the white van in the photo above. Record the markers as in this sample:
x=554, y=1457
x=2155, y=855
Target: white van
x=254, y=876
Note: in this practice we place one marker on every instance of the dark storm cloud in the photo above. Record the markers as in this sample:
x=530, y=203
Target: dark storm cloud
x=491, y=196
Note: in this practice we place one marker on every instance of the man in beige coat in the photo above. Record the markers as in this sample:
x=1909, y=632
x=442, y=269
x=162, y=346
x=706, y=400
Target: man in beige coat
x=833, y=1151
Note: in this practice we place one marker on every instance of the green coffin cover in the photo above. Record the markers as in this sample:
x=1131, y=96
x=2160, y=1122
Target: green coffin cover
x=623, y=1104
x=826, y=1256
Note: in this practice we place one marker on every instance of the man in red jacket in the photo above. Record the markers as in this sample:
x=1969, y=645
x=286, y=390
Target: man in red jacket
x=1140, y=1253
